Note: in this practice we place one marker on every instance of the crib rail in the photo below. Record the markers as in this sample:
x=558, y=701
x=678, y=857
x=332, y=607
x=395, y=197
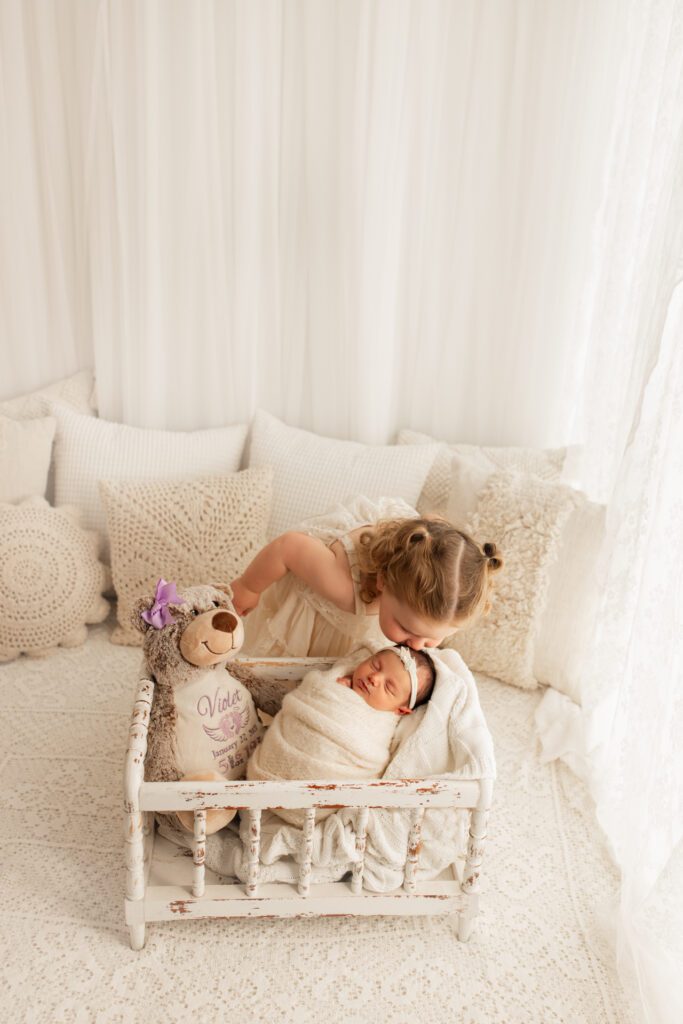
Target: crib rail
x=168, y=902
x=184, y=796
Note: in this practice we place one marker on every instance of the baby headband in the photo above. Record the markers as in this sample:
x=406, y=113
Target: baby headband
x=410, y=667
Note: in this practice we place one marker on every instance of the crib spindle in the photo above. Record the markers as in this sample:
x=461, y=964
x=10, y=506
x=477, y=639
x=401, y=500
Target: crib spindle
x=305, y=869
x=357, y=876
x=475, y=851
x=199, y=852
x=414, y=845
x=254, y=818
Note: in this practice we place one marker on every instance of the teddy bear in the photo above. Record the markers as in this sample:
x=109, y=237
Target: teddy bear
x=203, y=721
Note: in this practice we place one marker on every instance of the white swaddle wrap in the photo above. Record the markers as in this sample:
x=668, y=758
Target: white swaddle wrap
x=324, y=731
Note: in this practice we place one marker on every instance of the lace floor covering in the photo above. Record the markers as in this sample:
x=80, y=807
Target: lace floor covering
x=539, y=952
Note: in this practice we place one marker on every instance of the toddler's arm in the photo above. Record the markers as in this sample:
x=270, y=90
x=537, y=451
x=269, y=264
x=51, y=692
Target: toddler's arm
x=308, y=558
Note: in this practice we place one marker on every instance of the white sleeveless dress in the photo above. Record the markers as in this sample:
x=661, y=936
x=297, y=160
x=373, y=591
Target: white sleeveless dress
x=291, y=620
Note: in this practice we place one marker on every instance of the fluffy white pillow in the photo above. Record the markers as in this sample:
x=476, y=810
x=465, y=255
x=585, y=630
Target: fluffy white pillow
x=51, y=582
x=572, y=602
x=549, y=584
x=314, y=473
x=188, y=531
x=25, y=450
x=89, y=449
x=77, y=391
x=545, y=463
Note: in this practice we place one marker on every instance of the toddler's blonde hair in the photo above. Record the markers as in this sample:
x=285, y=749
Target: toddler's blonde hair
x=430, y=565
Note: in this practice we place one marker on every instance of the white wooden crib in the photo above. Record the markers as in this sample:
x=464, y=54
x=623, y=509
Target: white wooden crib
x=152, y=896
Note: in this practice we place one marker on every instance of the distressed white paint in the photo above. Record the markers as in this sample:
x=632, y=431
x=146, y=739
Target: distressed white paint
x=175, y=796
x=254, y=851
x=307, y=857
x=413, y=851
x=199, y=852
x=146, y=902
x=357, y=873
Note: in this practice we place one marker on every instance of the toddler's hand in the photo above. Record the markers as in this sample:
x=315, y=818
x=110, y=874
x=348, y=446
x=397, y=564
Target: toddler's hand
x=345, y=680
x=243, y=599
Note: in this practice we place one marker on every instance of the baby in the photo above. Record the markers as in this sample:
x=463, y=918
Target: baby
x=339, y=724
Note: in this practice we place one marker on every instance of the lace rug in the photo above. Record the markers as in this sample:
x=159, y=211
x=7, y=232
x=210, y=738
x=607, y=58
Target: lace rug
x=539, y=952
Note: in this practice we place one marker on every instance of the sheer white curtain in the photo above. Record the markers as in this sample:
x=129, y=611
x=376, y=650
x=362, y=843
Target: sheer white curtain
x=44, y=300
x=360, y=215
x=632, y=419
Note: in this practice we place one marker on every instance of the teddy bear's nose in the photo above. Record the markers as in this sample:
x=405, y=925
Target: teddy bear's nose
x=224, y=621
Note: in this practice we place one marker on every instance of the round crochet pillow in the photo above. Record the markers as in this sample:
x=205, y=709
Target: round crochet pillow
x=51, y=581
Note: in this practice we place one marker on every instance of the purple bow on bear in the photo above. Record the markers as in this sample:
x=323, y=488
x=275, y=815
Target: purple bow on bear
x=158, y=615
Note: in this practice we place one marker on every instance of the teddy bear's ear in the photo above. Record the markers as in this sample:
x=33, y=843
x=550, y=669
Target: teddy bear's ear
x=143, y=604
x=225, y=588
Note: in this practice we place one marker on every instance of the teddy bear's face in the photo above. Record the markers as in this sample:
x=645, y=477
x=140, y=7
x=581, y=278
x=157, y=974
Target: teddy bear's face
x=199, y=630
x=211, y=637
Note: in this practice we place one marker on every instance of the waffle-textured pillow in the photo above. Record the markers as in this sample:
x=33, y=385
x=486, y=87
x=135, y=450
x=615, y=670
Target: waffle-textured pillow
x=544, y=463
x=77, y=391
x=51, y=582
x=525, y=518
x=89, y=449
x=25, y=450
x=311, y=473
x=188, y=531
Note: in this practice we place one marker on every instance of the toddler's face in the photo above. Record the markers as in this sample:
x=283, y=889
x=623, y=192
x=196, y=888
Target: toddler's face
x=402, y=625
x=383, y=682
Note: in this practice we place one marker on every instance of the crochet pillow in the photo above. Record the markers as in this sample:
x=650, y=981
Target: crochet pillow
x=525, y=517
x=25, y=451
x=312, y=474
x=545, y=463
x=88, y=450
x=565, y=620
x=51, y=582
x=77, y=391
x=188, y=531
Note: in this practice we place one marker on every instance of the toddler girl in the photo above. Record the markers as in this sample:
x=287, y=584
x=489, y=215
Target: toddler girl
x=362, y=574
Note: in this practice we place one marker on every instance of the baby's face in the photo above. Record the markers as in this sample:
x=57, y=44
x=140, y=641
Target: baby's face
x=383, y=682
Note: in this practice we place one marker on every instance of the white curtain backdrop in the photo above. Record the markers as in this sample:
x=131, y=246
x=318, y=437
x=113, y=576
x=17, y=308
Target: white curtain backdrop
x=45, y=74
x=631, y=418
x=359, y=215
x=460, y=217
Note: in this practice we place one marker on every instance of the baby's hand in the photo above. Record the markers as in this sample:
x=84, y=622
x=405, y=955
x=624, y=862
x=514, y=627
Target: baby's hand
x=345, y=680
x=243, y=599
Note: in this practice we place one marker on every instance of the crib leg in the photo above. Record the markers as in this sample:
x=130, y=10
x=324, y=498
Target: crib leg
x=137, y=935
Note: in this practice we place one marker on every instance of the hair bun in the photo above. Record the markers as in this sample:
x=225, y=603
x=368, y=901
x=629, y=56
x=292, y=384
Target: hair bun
x=492, y=557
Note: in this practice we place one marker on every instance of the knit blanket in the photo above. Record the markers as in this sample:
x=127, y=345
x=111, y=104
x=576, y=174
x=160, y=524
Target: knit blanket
x=324, y=730
x=447, y=738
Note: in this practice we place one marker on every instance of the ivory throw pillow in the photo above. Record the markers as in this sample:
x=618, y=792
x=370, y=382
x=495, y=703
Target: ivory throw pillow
x=189, y=531
x=51, y=582
x=571, y=605
x=545, y=463
x=89, y=449
x=25, y=451
x=77, y=391
x=524, y=516
x=311, y=473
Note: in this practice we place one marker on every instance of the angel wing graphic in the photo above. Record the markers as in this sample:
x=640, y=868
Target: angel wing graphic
x=216, y=734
